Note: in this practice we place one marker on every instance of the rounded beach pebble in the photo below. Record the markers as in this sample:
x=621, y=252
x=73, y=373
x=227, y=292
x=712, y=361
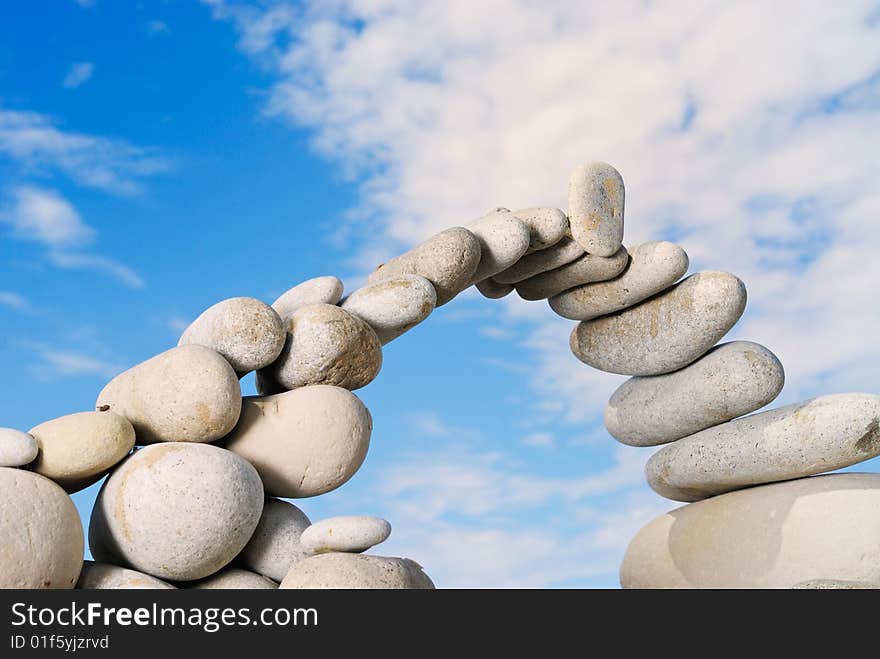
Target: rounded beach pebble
x=730, y=380
x=78, y=449
x=40, y=533
x=585, y=269
x=327, y=345
x=392, y=306
x=176, y=510
x=186, y=394
x=492, y=290
x=547, y=226
x=304, y=442
x=232, y=578
x=503, y=237
x=448, y=260
x=347, y=533
x=560, y=254
x=246, y=331
x=595, y=208
x=320, y=290
x=275, y=545
x=652, y=267
x=822, y=434
x=360, y=571
x=17, y=448
x=773, y=536
x=666, y=332
x=103, y=576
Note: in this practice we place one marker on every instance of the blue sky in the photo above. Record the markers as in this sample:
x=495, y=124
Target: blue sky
x=156, y=157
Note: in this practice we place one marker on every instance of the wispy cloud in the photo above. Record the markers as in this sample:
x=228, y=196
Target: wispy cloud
x=13, y=300
x=43, y=216
x=79, y=74
x=53, y=363
x=40, y=148
x=539, y=440
x=157, y=28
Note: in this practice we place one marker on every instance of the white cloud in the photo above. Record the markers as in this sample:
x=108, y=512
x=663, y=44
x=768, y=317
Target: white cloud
x=539, y=440
x=157, y=28
x=39, y=147
x=55, y=363
x=44, y=216
x=13, y=300
x=79, y=74
x=742, y=131
x=177, y=324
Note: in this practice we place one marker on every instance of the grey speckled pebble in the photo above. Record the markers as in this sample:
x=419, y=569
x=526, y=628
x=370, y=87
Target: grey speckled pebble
x=361, y=571
x=492, y=290
x=560, y=254
x=320, y=290
x=186, y=394
x=547, y=226
x=246, y=331
x=304, y=442
x=392, y=306
x=275, y=545
x=347, y=533
x=327, y=345
x=177, y=511
x=652, y=267
x=728, y=381
x=503, y=237
x=17, y=448
x=78, y=449
x=585, y=269
x=771, y=536
x=666, y=332
x=232, y=578
x=595, y=208
x=448, y=260
x=822, y=434
x=40, y=533
x=103, y=576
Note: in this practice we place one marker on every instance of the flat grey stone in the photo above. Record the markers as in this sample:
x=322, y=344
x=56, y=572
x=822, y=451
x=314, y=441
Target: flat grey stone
x=771, y=536
x=822, y=434
x=17, y=448
x=556, y=256
x=358, y=571
x=246, y=331
x=503, y=237
x=652, y=267
x=346, y=533
x=730, y=380
x=595, y=208
x=666, y=332
x=392, y=306
x=448, y=260
x=490, y=289
x=585, y=269
x=275, y=545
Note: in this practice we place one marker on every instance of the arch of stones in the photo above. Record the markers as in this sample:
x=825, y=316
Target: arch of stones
x=202, y=502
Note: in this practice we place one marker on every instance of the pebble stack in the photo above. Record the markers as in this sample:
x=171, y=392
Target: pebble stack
x=197, y=477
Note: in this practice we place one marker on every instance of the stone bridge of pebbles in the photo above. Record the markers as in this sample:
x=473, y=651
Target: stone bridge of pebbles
x=202, y=502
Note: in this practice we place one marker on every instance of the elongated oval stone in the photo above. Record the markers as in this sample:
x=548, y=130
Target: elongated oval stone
x=359, y=571
x=595, y=208
x=822, y=434
x=652, y=267
x=585, y=269
x=547, y=226
x=666, y=332
x=728, y=381
x=246, y=331
x=320, y=290
x=448, y=260
x=773, y=536
x=563, y=252
x=503, y=237
x=186, y=394
x=492, y=290
x=103, y=576
x=17, y=448
x=392, y=306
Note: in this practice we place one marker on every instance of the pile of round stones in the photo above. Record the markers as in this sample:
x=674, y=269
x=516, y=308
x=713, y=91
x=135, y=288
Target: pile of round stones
x=202, y=502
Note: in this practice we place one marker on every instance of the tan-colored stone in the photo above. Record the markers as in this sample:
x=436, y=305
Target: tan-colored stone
x=232, y=578
x=587, y=268
x=595, y=208
x=358, y=571
x=560, y=254
x=320, y=290
x=103, y=576
x=392, y=306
